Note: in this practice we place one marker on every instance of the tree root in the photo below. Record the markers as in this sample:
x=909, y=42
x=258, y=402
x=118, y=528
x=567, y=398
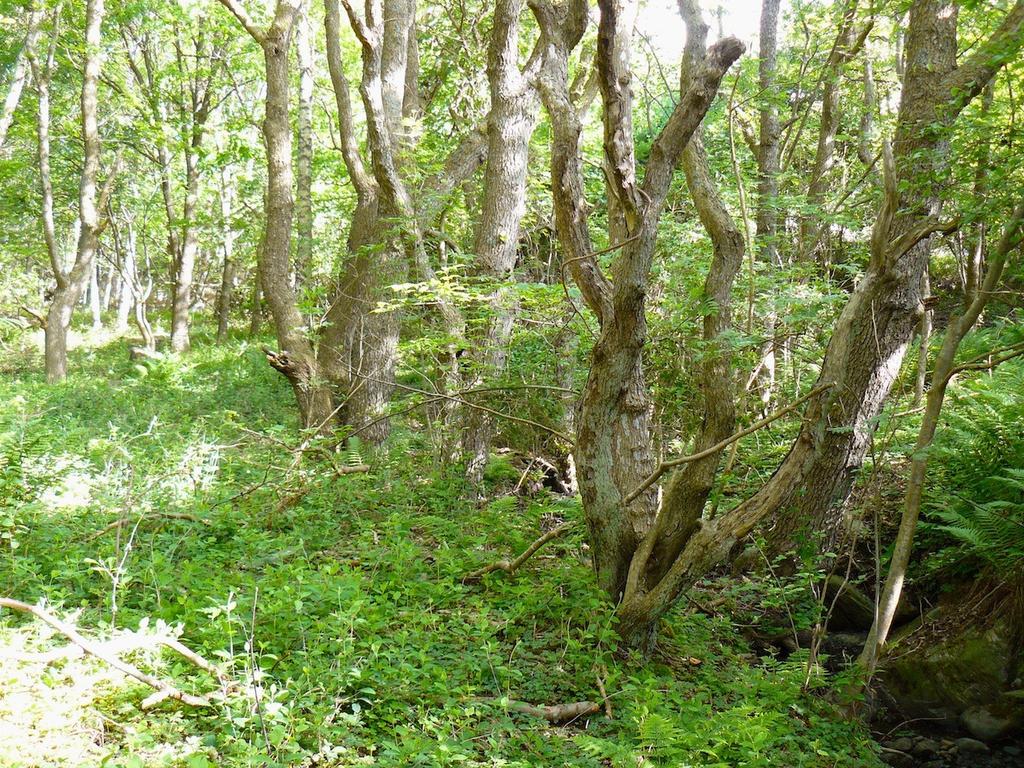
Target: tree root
x=104, y=652
x=512, y=566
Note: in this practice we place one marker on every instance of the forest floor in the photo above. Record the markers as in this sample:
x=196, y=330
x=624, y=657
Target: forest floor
x=333, y=603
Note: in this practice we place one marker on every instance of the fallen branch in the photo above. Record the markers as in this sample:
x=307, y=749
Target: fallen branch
x=121, y=522
x=164, y=690
x=129, y=642
x=512, y=566
x=558, y=714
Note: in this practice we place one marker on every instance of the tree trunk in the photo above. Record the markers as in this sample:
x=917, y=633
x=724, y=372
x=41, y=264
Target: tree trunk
x=295, y=358
x=304, y=164
x=945, y=368
x=614, y=450
x=228, y=235
x=200, y=92
x=872, y=334
x=185, y=269
x=768, y=214
x=20, y=73
x=95, y=304
x=70, y=286
x=514, y=105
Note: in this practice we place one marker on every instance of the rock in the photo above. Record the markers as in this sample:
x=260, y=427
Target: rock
x=898, y=760
x=900, y=745
x=971, y=745
x=958, y=669
x=143, y=353
x=1012, y=751
x=926, y=748
x=986, y=725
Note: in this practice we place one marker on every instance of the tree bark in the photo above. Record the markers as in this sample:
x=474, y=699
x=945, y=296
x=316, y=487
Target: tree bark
x=768, y=169
x=200, y=91
x=945, y=368
x=846, y=45
x=510, y=124
x=304, y=164
x=614, y=449
x=295, y=359
x=91, y=201
x=95, y=302
x=20, y=73
x=228, y=235
x=871, y=336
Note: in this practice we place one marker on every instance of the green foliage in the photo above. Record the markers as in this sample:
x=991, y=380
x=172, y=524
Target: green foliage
x=343, y=613
x=975, y=495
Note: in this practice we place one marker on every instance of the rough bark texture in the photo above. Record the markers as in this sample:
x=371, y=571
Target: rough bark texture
x=358, y=346
x=959, y=327
x=614, y=446
x=768, y=144
x=872, y=334
x=304, y=161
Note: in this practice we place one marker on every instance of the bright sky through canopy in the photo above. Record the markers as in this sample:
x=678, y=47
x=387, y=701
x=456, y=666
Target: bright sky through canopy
x=659, y=20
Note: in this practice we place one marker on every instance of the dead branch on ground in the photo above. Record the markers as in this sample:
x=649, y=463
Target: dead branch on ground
x=102, y=651
x=512, y=566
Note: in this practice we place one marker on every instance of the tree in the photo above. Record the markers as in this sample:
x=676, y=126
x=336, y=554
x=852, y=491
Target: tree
x=296, y=358
x=91, y=200
x=944, y=371
x=613, y=447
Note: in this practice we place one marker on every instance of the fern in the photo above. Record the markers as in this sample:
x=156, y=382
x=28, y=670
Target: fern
x=976, y=492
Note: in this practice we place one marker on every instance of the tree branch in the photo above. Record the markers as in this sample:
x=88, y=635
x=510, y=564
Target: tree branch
x=163, y=690
x=250, y=26
x=664, y=466
x=511, y=567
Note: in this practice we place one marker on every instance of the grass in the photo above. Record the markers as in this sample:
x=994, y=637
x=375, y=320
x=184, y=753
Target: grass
x=335, y=603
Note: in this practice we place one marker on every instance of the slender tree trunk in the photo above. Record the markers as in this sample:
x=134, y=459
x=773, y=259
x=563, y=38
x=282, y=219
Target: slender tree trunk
x=228, y=235
x=925, y=334
x=95, y=303
x=185, y=269
x=945, y=368
x=107, y=285
x=256, y=296
x=768, y=215
x=304, y=164
x=295, y=358
x=845, y=47
x=20, y=73
x=200, y=91
x=70, y=286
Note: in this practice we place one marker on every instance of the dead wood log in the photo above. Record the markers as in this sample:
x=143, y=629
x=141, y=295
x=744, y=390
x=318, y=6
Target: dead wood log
x=557, y=714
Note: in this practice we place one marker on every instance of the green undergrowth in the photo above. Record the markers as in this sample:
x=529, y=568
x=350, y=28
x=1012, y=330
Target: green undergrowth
x=335, y=604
